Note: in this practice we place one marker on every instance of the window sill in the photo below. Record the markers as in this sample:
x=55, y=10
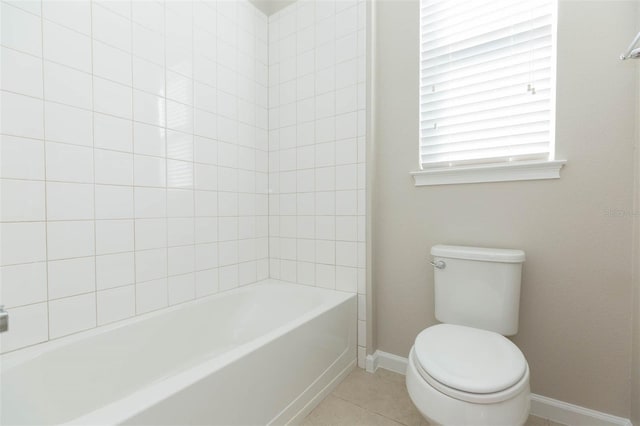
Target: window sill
x=503, y=172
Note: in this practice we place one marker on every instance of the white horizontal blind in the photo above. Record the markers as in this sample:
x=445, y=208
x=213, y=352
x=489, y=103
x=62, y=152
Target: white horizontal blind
x=487, y=75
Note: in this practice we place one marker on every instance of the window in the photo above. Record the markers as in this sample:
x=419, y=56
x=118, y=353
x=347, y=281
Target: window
x=487, y=85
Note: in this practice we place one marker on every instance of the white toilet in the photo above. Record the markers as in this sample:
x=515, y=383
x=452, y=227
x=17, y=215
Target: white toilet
x=464, y=371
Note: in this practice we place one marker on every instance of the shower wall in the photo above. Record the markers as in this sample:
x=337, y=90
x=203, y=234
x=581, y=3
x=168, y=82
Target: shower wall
x=134, y=159
x=317, y=102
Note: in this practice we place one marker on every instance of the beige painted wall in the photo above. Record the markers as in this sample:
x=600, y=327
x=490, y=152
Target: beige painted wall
x=635, y=362
x=575, y=322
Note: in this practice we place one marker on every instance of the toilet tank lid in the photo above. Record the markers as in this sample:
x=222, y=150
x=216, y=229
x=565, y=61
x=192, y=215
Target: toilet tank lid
x=478, y=253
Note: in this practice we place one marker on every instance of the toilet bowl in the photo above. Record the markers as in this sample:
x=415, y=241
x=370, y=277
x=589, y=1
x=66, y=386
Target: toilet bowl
x=459, y=375
x=465, y=371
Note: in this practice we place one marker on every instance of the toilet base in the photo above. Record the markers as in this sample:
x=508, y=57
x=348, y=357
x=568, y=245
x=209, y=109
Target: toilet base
x=442, y=409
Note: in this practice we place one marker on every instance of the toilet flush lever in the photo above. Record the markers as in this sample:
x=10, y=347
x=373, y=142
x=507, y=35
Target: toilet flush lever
x=439, y=264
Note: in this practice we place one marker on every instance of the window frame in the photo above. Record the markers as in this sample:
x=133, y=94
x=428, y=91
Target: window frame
x=501, y=171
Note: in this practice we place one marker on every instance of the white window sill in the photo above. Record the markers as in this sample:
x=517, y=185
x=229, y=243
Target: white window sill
x=502, y=172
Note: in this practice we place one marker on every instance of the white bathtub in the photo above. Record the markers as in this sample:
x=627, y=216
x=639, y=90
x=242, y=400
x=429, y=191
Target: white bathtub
x=266, y=353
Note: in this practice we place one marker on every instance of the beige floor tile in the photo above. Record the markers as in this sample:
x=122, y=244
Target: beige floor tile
x=334, y=411
x=390, y=375
x=375, y=399
x=384, y=394
x=536, y=421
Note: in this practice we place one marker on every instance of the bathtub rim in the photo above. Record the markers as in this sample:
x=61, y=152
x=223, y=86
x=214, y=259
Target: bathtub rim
x=12, y=359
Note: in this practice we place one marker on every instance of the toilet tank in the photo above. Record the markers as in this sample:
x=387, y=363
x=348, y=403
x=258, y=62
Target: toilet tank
x=478, y=287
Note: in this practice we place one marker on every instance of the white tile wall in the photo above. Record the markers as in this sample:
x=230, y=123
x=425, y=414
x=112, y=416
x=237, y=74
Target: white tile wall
x=317, y=102
x=156, y=151
x=131, y=131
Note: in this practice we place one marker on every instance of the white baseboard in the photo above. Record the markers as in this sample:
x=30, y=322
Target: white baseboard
x=387, y=361
x=570, y=414
x=541, y=406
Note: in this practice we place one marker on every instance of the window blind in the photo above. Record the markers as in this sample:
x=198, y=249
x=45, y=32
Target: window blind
x=487, y=74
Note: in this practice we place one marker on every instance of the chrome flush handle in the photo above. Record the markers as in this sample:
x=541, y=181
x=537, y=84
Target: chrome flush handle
x=438, y=264
x=4, y=319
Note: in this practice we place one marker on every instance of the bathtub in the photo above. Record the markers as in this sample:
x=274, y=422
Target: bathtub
x=262, y=354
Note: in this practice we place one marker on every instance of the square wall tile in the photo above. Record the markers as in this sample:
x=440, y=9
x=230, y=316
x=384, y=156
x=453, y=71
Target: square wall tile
x=31, y=6
x=69, y=163
x=114, y=236
x=66, y=46
x=148, y=76
x=67, y=85
x=71, y=277
x=29, y=325
x=23, y=284
x=69, y=201
x=112, y=133
x=149, y=108
x=150, y=202
x=181, y=288
x=21, y=115
x=111, y=63
x=72, y=314
x=71, y=14
x=22, y=242
x=70, y=239
x=110, y=27
x=115, y=270
x=21, y=200
x=68, y=124
x=116, y=304
x=112, y=98
x=21, y=30
x=21, y=73
x=113, y=168
x=151, y=296
x=113, y=202
x=151, y=265
x=150, y=233
x=149, y=140
x=148, y=44
x=21, y=158
x=149, y=171
x=206, y=282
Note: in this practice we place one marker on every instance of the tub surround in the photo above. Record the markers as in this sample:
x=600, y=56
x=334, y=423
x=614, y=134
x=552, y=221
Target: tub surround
x=145, y=183
x=317, y=144
x=134, y=159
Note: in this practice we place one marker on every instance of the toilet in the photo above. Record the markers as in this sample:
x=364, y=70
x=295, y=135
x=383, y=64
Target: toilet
x=465, y=371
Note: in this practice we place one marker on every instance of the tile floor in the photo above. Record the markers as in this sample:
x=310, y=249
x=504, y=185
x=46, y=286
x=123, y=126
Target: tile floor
x=379, y=399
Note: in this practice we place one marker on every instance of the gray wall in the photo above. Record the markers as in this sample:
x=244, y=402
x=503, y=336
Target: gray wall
x=575, y=322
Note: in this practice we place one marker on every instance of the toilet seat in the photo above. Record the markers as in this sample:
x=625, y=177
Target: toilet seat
x=470, y=364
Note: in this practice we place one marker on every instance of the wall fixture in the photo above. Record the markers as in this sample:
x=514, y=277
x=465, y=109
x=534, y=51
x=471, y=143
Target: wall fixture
x=632, y=52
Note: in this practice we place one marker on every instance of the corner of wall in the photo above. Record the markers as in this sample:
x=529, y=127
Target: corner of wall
x=370, y=178
x=635, y=360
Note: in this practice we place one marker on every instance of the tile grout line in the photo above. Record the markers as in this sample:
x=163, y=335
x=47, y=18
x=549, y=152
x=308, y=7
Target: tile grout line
x=44, y=149
x=218, y=257
x=166, y=149
x=133, y=177
x=93, y=155
x=268, y=67
x=193, y=149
